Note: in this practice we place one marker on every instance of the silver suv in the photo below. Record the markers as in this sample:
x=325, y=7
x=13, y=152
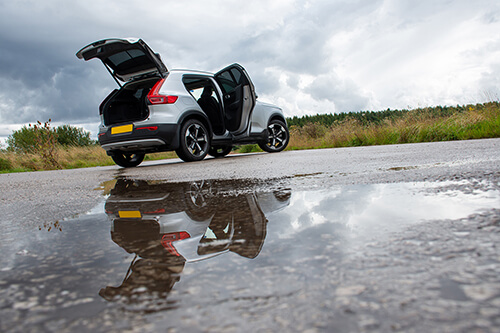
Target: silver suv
x=192, y=112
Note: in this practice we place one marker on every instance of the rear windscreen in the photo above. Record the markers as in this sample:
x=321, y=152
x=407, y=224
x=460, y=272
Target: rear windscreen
x=129, y=61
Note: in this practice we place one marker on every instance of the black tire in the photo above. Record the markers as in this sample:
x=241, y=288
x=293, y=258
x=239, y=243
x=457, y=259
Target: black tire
x=194, y=141
x=278, y=137
x=219, y=151
x=128, y=160
x=199, y=197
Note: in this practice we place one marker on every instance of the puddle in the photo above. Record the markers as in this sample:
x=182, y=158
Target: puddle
x=154, y=246
x=370, y=211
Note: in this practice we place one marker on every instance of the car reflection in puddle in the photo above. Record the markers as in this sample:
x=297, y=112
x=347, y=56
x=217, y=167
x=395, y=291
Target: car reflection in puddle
x=315, y=253
x=167, y=225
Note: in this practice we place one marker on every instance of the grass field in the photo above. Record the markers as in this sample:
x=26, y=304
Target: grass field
x=67, y=158
x=312, y=132
x=419, y=125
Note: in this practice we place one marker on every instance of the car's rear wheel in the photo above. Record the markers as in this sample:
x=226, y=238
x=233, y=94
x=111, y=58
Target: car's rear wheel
x=128, y=160
x=194, y=141
x=219, y=151
x=278, y=137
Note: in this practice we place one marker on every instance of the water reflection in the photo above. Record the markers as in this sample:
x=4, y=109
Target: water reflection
x=311, y=249
x=168, y=224
x=369, y=211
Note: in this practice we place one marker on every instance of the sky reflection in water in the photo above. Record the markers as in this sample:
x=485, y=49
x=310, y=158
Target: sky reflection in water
x=155, y=246
x=366, y=210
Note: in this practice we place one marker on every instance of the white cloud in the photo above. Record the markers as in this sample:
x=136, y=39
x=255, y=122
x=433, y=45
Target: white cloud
x=372, y=211
x=307, y=56
x=410, y=53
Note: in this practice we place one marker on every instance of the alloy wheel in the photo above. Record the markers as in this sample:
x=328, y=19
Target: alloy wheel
x=196, y=140
x=278, y=137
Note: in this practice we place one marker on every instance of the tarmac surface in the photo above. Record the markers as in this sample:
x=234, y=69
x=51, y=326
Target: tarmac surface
x=400, y=238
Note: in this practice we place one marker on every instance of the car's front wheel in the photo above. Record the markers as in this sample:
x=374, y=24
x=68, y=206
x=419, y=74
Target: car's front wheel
x=194, y=141
x=128, y=160
x=199, y=197
x=278, y=137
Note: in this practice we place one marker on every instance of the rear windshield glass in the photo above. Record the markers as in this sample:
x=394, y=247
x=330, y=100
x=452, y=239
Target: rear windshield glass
x=129, y=61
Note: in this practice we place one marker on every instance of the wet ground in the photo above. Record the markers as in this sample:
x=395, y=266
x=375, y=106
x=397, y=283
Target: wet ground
x=257, y=255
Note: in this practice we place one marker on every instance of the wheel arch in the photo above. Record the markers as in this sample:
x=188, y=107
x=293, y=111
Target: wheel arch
x=275, y=140
x=194, y=114
x=195, y=149
x=277, y=116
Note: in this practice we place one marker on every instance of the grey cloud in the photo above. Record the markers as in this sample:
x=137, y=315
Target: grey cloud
x=27, y=61
x=264, y=81
x=70, y=94
x=41, y=78
x=344, y=93
x=299, y=43
x=489, y=84
x=293, y=81
x=350, y=200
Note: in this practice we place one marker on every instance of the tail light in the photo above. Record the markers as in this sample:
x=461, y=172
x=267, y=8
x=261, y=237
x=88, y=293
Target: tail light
x=158, y=211
x=168, y=239
x=149, y=128
x=154, y=97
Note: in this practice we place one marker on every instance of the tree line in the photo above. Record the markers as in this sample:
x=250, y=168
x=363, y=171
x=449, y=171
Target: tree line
x=376, y=117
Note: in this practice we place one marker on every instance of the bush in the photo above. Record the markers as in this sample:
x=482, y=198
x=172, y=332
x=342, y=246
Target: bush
x=393, y=127
x=5, y=164
x=25, y=139
x=314, y=130
x=22, y=141
x=249, y=149
x=73, y=136
x=46, y=144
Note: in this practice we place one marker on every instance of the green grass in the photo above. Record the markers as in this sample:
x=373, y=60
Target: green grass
x=420, y=125
x=314, y=132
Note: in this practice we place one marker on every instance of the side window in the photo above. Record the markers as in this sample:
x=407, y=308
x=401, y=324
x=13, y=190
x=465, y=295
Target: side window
x=237, y=76
x=196, y=86
x=226, y=81
x=226, y=75
x=196, y=92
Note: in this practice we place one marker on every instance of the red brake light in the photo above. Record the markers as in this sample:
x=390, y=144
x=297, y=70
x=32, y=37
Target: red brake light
x=155, y=98
x=158, y=211
x=151, y=128
x=168, y=239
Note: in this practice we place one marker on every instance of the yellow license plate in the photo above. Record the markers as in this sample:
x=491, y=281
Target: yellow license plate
x=122, y=129
x=129, y=214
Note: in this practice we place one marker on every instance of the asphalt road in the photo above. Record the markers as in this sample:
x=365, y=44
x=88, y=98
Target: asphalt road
x=433, y=276
x=52, y=195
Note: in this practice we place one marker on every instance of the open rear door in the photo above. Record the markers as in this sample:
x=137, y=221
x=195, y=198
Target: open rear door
x=125, y=58
x=238, y=97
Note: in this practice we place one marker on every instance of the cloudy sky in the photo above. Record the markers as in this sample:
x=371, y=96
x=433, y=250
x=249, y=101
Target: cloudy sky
x=308, y=57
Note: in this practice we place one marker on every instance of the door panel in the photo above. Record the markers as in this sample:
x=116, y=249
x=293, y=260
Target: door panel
x=233, y=108
x=125, y=58
x=238, y=97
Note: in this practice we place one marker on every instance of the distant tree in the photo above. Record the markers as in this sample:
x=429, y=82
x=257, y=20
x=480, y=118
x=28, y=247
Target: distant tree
x=73, y=136
x=364, y=117
x=24, y=139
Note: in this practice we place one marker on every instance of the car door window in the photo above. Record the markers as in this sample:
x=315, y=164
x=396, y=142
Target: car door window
x=238, y=98
x=237, y=76
x=226, y=82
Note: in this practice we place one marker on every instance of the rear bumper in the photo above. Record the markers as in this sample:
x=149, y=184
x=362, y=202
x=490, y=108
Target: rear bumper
x=147, y=139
